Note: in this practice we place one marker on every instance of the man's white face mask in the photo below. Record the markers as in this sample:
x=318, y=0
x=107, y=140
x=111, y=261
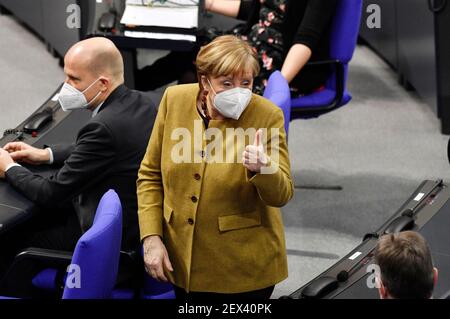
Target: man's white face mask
x=72, y=99
x=232, y=103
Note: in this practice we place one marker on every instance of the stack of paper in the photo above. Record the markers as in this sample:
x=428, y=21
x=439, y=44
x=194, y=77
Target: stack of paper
x=164, y=3
x=185, y=17
x=161, y=36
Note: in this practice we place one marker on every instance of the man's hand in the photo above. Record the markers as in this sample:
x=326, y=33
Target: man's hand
x=5, y=161
x=254, y=157
x=22, y=152
x=156, y=258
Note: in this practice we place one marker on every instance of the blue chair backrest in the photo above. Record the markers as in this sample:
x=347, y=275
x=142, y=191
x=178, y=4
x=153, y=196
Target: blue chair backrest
x=344, y=34
x=345, y=29
x=153, y=289
x=277, y=91
x=95, y=260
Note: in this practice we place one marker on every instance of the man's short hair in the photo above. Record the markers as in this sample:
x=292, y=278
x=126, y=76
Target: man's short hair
x=406, y=265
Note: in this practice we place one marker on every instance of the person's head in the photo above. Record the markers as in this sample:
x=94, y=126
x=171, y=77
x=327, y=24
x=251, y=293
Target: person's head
x=406, y=266
x=224, y=64
x=95, y=68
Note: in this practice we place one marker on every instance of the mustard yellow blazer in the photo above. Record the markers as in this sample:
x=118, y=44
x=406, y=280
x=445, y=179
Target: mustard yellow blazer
x=220, y=223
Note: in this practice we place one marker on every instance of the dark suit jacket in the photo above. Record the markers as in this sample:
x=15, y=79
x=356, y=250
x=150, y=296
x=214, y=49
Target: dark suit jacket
x=107, y=155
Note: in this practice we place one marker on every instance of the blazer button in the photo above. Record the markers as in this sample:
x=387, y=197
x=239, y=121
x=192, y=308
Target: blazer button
x=194, y=199
x=197, y=177
x=190, y=221
x=202, y=153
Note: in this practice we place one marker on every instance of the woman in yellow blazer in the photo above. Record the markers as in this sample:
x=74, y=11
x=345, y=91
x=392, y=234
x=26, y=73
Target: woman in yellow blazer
x=215, y=171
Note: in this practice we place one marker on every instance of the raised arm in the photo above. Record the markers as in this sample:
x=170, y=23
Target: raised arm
x=313, y=27
x=228, y=8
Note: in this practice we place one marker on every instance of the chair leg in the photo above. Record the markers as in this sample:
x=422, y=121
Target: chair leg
x=320, y=187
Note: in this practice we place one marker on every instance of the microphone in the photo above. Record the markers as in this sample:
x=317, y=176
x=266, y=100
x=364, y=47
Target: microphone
x=342, y=276
x=448, y=151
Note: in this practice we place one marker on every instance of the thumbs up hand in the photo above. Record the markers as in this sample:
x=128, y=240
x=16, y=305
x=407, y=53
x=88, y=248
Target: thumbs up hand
x=254, y=156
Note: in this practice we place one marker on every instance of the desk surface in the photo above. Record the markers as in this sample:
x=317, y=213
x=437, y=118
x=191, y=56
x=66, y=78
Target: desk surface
x=431, y=213
x=436, y=232
x=125, y=42
x=14, y=207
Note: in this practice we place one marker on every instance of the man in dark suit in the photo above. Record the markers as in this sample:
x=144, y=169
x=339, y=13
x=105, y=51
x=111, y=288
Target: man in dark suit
x=106, y=155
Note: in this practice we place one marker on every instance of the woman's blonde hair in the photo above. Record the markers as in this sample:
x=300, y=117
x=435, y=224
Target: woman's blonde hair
x=226, y=55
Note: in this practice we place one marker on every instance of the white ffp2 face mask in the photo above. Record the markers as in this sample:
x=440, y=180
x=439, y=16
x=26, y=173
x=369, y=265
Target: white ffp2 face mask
x=71, y=99
x=232, y=103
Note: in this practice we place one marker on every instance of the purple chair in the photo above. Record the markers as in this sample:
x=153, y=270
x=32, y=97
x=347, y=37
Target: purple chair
x=278, y=92
x=149, y=289
x=94, y=264
x=343, y=37
x=156, y=290
x=153, y=289
x=97, y=252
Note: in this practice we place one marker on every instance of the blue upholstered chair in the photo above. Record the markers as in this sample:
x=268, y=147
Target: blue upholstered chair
x=93, y=266
x=278, y=92
x=343, y=37
x=153, y=289
x=97, y=252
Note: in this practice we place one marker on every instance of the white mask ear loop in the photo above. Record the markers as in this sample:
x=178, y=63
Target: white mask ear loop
x=100, y=92
x=212, y=88
x=204, y=109
x=88, y=104
x=91, y=85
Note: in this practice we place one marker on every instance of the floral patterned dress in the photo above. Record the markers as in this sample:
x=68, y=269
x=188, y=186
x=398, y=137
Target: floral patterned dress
x=267, y=38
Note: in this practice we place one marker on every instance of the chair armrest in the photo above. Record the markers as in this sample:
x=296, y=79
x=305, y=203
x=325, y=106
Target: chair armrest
x=323, y=62
x=46, y=258
x=54, y=258
x=340, y=86
x=130, y=259
x=339, y=73
x=277, y=91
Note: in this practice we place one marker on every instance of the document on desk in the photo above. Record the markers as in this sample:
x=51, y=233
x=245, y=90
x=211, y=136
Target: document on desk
x=163, y=3
x=185, y=17
x=163, y=36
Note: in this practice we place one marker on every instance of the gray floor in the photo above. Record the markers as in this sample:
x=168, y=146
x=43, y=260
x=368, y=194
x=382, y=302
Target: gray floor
x=28, y=73
x=379, y=148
